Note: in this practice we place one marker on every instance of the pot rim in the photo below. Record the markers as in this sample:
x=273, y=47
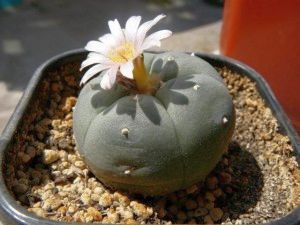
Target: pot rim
x=20, y=214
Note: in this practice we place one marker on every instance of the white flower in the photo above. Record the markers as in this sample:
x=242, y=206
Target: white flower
x=117, y=50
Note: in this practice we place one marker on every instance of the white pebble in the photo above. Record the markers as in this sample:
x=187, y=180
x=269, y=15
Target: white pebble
x=196, y=87
x=125, y=131
x=225, y=120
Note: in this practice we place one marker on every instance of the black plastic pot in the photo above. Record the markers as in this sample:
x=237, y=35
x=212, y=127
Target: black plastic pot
x=12, y=213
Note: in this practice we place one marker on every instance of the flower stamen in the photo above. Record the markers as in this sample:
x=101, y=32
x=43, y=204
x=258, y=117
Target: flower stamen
x=122, y=54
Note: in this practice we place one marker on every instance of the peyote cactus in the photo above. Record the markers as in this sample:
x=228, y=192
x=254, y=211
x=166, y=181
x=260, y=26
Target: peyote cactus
x=151, y=123
x=156, y=143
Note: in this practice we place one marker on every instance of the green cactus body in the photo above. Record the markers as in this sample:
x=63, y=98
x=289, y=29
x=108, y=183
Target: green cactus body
x=157, y=144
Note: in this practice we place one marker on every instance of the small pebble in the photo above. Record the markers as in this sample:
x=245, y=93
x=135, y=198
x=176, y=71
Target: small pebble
x=173, y=209
x=208, y=220
x=225, y=178
x=192, y=189
x=50, y=156
x=80, y=164
x=105, y=200
x=192, y=221
x=209, y=205
x=181, y=215
x=26, y=158
x=38, y=211
x=51, y=204
x=216, y=214
x=20, y=188
x=91, y=211
x=140, y=209
x=127, y=215
x=218, y=192
x=212, y=182
x=191, y=204
x=200, y=200
x=210, y=196
x=31, y=151
x=85, y=198
x=200, y=212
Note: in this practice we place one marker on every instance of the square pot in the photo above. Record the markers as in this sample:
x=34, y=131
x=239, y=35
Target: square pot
x=13, y=213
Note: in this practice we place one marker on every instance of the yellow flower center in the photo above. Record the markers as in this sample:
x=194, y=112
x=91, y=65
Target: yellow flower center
x=122, y=53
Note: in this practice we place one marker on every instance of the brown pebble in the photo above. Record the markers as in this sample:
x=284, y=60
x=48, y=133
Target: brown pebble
x=112, y=218
x=31, y=151
x=192, y=189
x=21, y=174
x=91, y=211
x=105, y=200
x=161, y=203
x=51, y=204
x=216, y=214
x=209, y=205
x=161, y=213
x=80, y=164
x=86, y=198
x=212, y=182
x=225, y=178
x=181, y=194
x=95, y=197
x=141, y=210
x=173, y=209
x=191, y=204
x=181, y=215
x=38, y=211
x=201, y=212
x=127, y=214
x=20, y=188
x=208, y=220
x=26, y=158
x=200, y=200
x=228, y=190
x=123, y=199
x=218, y=192
x=172, y=197
x=50, y=156
x=98, y=190
x=225, y=162
x=131, y=221
x=55, y=87
x=62, y=210
x=210, y=196
x=192, y=221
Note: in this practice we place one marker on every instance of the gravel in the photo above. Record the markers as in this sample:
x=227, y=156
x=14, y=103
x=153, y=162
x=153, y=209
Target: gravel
x=256, y=181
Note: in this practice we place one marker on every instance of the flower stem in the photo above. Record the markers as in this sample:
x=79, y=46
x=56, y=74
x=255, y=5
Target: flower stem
x=140, y=74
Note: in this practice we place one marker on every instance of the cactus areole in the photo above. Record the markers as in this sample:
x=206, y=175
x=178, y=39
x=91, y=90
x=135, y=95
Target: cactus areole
x=163, y=130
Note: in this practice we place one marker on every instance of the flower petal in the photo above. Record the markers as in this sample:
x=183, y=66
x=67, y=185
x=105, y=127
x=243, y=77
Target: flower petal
x=98, y=59
x=126, y=69
x=96, y=46
x=109, y=78
x=93, y=71
x=145, y=27
x=131, y=28
x=153, y=40
x=109, y=40
x=116, y=30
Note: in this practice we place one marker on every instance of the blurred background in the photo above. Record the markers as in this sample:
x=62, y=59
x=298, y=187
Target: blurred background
x=263, y=34
x=32, y=31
